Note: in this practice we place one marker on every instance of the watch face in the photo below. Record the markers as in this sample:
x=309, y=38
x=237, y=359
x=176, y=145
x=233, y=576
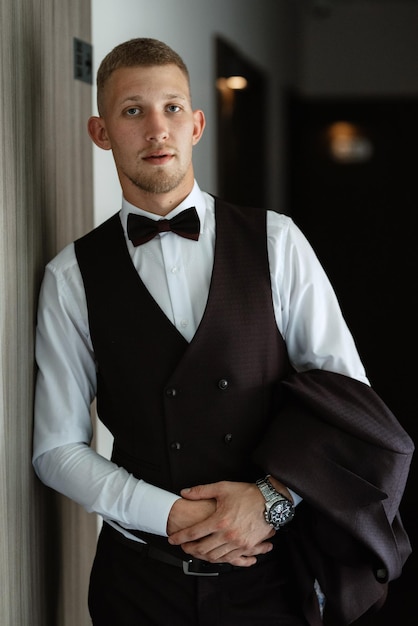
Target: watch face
x=281, y=513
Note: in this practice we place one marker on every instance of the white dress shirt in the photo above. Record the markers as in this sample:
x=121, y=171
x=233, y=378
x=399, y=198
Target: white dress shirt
x=177, y=272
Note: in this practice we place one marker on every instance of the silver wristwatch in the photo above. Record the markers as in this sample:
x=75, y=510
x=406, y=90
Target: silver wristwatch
x=279, y=509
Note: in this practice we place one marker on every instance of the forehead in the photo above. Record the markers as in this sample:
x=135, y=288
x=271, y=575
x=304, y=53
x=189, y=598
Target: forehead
x=142, y=82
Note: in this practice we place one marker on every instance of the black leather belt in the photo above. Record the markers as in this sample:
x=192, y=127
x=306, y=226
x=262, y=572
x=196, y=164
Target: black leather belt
x=190, y=567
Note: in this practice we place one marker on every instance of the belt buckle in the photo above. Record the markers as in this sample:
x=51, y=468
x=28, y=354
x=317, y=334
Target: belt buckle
x=187, y=565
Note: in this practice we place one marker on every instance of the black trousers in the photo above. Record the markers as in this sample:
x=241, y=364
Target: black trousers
x=128, y=589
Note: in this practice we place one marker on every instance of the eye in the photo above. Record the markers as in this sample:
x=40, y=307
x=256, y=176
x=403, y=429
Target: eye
x=173, y=108
x=133, y=111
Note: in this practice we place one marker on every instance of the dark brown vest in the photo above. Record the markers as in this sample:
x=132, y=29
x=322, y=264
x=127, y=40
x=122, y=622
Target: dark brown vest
x=183, y=414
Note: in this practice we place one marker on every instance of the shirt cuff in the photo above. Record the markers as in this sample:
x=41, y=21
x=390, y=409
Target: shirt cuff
x=154, y=506
x=296, y=499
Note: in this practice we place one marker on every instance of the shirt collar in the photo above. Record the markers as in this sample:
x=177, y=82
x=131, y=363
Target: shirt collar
x=195, y=198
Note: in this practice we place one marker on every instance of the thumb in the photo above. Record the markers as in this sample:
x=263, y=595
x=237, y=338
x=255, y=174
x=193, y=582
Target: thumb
x=198, y=492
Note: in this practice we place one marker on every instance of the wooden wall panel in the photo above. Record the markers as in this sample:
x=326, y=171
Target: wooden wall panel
x=46, y=543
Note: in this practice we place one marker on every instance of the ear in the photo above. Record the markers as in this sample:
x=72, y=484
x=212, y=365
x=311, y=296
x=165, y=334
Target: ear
x=97, y=130
x=199, y=125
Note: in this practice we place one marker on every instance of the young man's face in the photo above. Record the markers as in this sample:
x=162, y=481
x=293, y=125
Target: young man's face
x=148, y=123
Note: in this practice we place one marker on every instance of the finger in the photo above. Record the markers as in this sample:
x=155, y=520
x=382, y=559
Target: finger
x=243, y=561
x=200, y=492
x=226, y=554
x=261, y=548
x=220, y=554
x=233, y=557
x=206, y=551
x=210, y=549
x=191, y=534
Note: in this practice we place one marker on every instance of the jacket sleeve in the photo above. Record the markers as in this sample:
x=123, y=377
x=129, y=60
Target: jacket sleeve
x=335, y=442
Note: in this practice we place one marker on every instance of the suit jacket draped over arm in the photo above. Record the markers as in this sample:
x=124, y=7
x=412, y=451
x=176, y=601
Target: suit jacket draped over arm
x=335, y=442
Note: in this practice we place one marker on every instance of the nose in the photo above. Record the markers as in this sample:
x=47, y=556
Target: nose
x=156, y=127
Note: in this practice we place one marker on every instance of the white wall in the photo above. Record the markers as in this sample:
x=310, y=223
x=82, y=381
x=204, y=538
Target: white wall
x=257, y=27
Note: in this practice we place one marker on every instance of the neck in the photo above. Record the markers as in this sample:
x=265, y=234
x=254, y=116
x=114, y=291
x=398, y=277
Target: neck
x=158, y=203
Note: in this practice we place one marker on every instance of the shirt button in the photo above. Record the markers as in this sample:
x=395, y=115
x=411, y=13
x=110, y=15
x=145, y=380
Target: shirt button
x=184, y=323
x=228, y=438
x=175, y=445
x=382, y=574
x=223, y=384
x=174, y=269
x=171, y=392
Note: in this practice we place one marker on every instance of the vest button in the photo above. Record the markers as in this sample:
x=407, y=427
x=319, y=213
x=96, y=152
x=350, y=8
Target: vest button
x=223, y=384
x=175, y=445
x=171, y=392
x=228, y=438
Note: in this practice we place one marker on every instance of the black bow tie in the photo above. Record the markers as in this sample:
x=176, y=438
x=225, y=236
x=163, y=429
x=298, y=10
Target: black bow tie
x=141, y=229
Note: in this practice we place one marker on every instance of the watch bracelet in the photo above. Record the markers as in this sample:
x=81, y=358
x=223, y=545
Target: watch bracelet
x=271, y=495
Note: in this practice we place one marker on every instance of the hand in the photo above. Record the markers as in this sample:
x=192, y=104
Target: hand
x=236, y=532
x=185, y=513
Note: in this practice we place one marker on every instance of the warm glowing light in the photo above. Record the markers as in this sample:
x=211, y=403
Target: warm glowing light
x=348, y=143
x=232, y=82
x=236, y=82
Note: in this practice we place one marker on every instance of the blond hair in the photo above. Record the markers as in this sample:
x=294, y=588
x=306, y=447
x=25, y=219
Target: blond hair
x=136, y=52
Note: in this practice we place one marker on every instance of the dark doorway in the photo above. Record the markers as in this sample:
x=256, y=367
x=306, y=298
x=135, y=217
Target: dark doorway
x=241, y=132
x=352, y=189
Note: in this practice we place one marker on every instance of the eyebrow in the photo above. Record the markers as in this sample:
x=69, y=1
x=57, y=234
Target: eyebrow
x=166, y=96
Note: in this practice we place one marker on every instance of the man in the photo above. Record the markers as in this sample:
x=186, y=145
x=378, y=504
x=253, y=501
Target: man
x=231, y=384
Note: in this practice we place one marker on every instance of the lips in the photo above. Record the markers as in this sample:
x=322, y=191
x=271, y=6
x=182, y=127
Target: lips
x=158, y=158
